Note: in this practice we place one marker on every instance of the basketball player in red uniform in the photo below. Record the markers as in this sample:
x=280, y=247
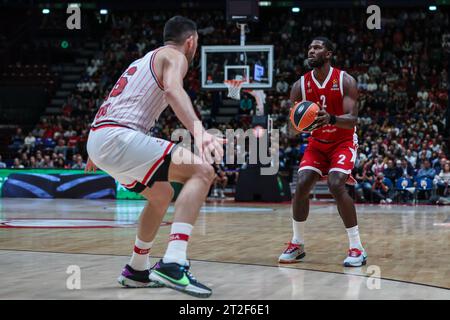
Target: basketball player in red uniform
x=119, y=144
x=331, y=149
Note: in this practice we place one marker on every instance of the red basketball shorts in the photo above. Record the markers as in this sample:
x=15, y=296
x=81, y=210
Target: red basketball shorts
x=324, y=158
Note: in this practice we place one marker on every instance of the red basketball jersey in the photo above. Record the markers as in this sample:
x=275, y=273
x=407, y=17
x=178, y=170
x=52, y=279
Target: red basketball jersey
x=331, y=94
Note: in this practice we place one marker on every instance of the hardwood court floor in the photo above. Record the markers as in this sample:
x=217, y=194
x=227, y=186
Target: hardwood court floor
x=234, y=248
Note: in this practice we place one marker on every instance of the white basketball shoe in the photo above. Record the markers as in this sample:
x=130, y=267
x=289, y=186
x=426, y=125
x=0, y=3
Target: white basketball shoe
x=355, y=258
x=293, y=253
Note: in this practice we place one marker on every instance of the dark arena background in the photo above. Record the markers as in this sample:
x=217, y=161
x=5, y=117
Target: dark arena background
x=73, y=231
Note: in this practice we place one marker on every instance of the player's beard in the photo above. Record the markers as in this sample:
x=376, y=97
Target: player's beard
x=317, y=63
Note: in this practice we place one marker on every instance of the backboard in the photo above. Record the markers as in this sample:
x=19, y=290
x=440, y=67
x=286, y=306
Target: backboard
x=254, y=63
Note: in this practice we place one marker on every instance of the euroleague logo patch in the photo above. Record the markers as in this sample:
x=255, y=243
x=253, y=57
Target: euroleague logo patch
x=68, y=223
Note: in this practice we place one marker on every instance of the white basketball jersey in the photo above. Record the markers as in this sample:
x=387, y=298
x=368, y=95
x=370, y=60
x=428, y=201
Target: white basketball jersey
x=136, y=100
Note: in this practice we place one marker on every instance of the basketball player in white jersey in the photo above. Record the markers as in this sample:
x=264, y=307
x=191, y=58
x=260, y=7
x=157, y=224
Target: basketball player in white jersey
x=118, y=144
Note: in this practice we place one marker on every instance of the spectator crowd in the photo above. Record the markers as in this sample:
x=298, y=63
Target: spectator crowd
x=400, y=72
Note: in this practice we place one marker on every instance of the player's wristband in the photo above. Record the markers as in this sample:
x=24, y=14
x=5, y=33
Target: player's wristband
x=332, y=119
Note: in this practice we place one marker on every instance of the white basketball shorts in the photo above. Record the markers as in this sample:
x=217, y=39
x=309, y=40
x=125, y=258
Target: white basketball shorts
x=131, y=157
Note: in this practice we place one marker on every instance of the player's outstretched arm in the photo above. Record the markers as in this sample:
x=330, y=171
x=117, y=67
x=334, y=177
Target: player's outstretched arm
x=350, y=117
x=175, y=67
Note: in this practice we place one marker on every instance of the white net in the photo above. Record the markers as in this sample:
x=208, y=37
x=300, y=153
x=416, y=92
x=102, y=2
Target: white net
x=234, y=88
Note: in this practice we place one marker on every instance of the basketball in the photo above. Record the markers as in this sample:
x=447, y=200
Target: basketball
x=303, y=115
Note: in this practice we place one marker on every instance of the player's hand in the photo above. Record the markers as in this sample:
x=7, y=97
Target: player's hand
x=90, y=166
x=323, y=118
x=210, y=147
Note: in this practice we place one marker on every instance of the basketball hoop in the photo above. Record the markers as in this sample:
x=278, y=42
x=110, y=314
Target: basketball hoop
x=234, y=88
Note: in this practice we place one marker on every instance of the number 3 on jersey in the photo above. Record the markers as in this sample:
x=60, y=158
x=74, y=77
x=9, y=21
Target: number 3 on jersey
x=122, y=82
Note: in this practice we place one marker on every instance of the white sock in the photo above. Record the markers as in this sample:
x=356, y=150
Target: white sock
x=353, y=238
x=178, y=241
x=139, y=259
x=299, y=229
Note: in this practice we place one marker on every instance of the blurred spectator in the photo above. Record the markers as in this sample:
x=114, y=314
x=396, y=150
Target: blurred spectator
x=439, y=163
x=60, y=163
x=48, y=162
x=220, y=182
x=407, y=170
x=443, y=181
x=392, y=172
x=24, y=160
x=17, y=140
x=379, y=166
x=73, y=142
x=380, y=189
x=79, y=164
x=16, y=164
x=39, y=160
x=411, y=158
x=422, y=94
x=32, y=164
x=246, y=105
x=426, y=171
x=29, y=142
x=69, y=132
x=364, y=178
x=61, y=147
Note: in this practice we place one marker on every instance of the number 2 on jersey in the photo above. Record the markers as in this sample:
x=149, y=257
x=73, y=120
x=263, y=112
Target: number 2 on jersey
x=323, y=100
x=341, y=159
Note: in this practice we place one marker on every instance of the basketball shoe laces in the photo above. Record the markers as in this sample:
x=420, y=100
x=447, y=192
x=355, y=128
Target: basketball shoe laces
x=354, y=252
x=291, y=247
x=188, y=273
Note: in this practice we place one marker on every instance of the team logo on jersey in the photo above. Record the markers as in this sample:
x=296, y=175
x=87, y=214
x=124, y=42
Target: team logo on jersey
x=335, y=85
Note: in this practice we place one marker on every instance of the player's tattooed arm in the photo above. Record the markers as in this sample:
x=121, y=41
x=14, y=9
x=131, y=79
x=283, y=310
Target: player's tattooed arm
x=350, y=117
